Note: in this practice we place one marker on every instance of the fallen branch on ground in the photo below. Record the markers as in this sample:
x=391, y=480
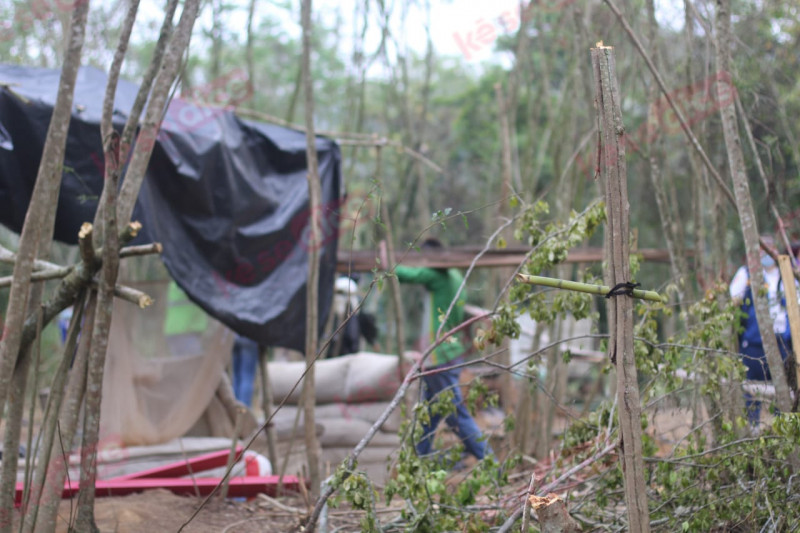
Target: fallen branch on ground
x=508, y=524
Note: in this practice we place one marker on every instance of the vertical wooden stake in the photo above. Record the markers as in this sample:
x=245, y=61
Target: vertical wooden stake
x=792, y=309
x=394, y=283
x=312, y=284
x=266, y=403
x=237, y=430
x=617, y=270
x=499, y=276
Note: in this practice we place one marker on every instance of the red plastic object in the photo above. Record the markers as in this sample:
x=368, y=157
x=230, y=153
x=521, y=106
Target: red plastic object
x=185, y=467
x=238, y=487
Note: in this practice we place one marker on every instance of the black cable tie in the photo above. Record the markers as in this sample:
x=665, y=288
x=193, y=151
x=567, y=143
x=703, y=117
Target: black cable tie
x=626, y=287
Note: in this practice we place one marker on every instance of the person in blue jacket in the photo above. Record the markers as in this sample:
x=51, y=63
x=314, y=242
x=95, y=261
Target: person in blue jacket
x=751, y=345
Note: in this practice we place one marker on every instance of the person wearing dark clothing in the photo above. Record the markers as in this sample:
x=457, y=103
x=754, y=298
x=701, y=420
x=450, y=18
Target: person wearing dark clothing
x=443, y=287
x=347, y=340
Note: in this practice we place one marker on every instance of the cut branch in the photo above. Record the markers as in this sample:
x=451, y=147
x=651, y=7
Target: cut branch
x=79, y=278
x=142, y=249
x=9, y=257
x=132, y=295
x=39, y=275
x=85, y=244
x=601, y=290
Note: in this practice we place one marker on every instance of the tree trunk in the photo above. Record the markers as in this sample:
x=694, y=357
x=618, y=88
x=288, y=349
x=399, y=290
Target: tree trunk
x=157, y=103
x=666, y=208
x=107, y=235
x=251, y=72
x=783, y=119
x=546, y=402
x=744, y=204
x=769, y=187
x=19, y=382
x=45, y=192
x=102, y=327
x=620, y=308
x=12, y=435
x=82, y=274
x=36, y=234
x=394, y=284
x=553, y=514
x=216, y=38
x=312, y=284
x=106, y=128
x=699, y=198
x=500, y=275
x=50, y=417
x=55, y=471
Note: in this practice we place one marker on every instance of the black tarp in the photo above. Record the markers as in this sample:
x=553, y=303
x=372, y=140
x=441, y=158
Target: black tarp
x=227, y=197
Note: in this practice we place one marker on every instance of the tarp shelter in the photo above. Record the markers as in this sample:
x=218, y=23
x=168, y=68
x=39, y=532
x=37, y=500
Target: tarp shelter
x=227, y=197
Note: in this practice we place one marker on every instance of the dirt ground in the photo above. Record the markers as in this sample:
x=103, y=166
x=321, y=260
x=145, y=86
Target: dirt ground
x=160, y=511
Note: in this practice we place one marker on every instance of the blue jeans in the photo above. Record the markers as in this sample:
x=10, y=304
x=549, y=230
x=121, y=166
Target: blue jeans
x=755, y=360
x=245, y=365
x=461, y=422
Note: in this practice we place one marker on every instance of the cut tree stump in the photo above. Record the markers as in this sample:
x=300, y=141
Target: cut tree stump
x=553, y=516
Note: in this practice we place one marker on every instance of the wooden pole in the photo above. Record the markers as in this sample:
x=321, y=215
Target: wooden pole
x=617, y=270
x=232, y=452
x=792, y=309
x=503, y=207
x=266, y=403
x=312, y=284
x=394, y=283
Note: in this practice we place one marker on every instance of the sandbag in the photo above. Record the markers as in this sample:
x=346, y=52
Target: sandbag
x=329, y=376
x=349, y=432
x=371, y=378
x=364, y=412
x=355, y=378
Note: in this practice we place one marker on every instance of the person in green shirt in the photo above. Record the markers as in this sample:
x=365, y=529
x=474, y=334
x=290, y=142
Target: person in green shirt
x=443, y=286
x=184, y=323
